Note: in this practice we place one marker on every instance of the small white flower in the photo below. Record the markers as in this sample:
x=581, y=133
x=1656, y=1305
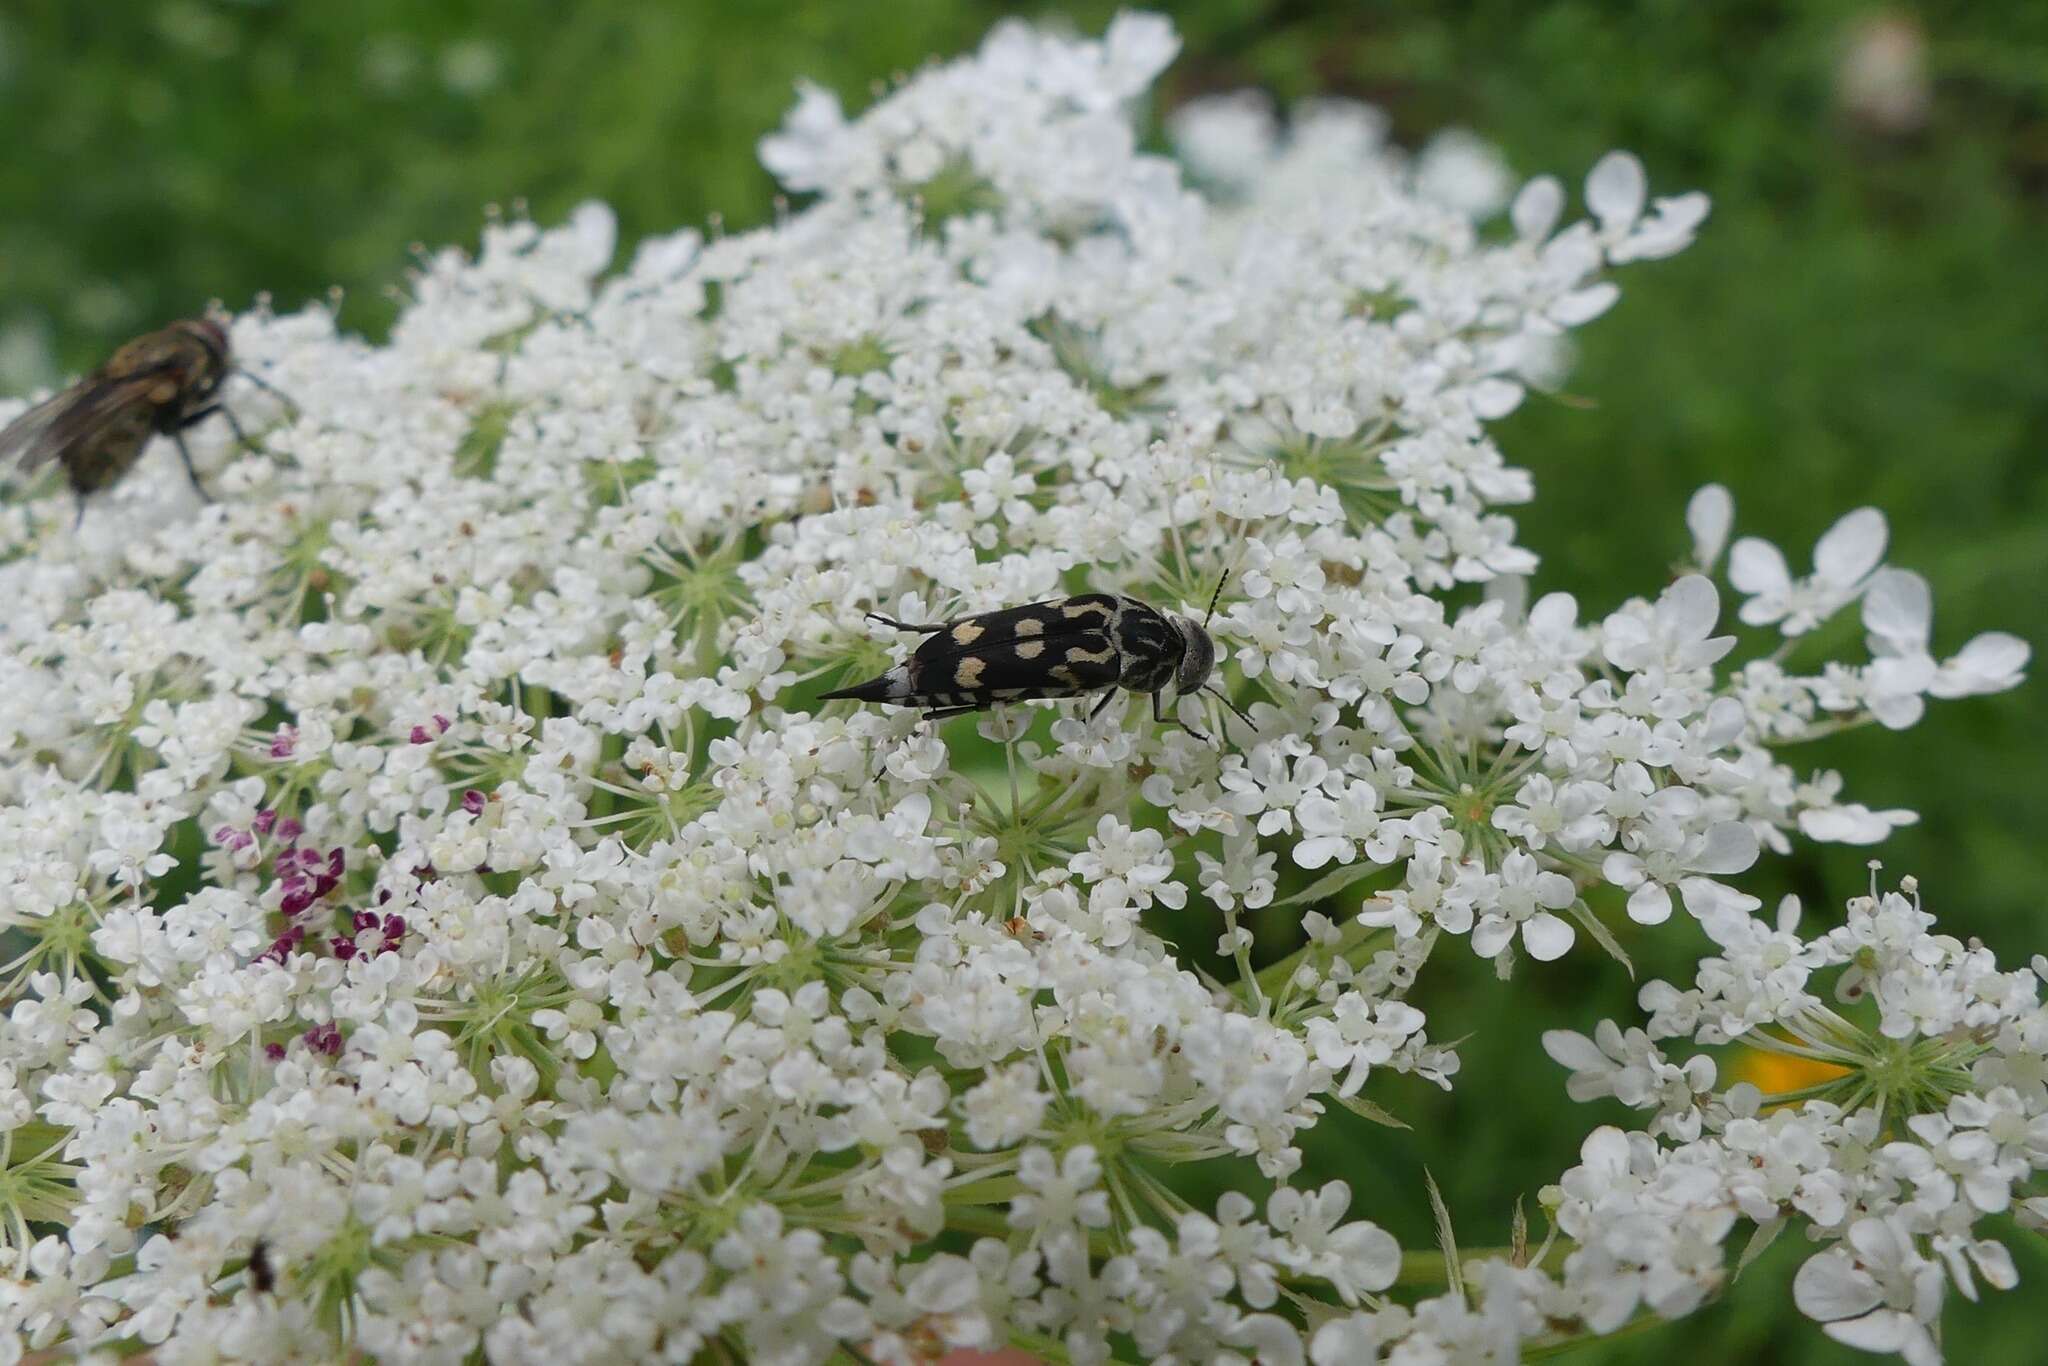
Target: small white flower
x=1522, y=900
x=1843, y=561
x=1356, y=1258
x=1338, y=826
x=1059, y=1194
x=1878, y=1295
x=1898, y=613
x=1675, y=635
x=1708, y=516
x=1004, y=1109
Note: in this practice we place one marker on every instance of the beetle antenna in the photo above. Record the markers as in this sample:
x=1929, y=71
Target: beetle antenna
x=1224, y=698
x=1214, y=598
x=1217, y=596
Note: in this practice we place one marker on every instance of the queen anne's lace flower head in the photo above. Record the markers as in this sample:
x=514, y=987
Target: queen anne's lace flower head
x=441, y=915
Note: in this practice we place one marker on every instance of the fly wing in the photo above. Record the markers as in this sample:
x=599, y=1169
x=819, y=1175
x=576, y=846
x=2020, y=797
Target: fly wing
x=89, y=411
x=24, y=436
x=107, y=450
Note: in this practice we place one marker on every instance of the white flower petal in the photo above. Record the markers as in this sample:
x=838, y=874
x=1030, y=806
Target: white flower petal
x=1650, y=904
x=1708, y=516
x=1615, y=191
x=1581, y=306
x=1690, y=607
x=1495, y=398
x=1710, y=902
x=1549, y=937
x=1569, y=1048
x=1606, y=1150
x=1669, y=228
x=1756, y=566
x=1887, y=1330
x=1991, y=662
x=1536, y=208
x=1491, y=935
x=1852, y=547
x=1372, y=1256
x=1898, y=713
x=1899, y=608
x=594, y=229
x=1137, y=47
x=1853, y=823
x=1270, y=1338
x=1731, y=847
x=1829, y=1287
x=1994, y=1263
x=1553, y=614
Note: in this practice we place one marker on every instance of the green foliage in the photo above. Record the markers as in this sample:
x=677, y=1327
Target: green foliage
x=1861, y=322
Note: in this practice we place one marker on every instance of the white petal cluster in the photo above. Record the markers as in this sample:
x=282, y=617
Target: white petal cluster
x=432, y=863
x=1933, y=1119
x=1893, y=1168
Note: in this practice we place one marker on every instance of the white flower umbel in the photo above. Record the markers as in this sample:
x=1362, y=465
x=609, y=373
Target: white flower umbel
x=431, y=865
x=1891, y=1163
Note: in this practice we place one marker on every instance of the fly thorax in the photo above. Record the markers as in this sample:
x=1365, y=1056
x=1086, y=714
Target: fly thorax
x=205, y=343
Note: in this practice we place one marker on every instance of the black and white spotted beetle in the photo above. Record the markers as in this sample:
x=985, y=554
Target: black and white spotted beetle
x=1062, y=648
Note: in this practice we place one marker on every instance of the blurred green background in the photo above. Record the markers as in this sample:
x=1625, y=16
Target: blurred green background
x=1862, y=321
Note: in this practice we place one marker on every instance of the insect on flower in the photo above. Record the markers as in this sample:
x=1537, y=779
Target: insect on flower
x=262, y=1275
x=159, y=383
x=1061, y=648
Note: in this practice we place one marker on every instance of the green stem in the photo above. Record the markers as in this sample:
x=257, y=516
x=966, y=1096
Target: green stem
x=980, y=1220
x=1271, y=978
x=1428, y=1268
x=1639, y=1324
x=995, y=1190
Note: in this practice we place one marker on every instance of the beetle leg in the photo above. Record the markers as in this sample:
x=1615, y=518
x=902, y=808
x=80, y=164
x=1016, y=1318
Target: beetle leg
x=939, y=715
x=922, y=629
x=1159, y=714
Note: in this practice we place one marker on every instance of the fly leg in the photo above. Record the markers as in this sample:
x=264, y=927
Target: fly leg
x=241, y=437
x=191, y=470
x=194, y=419
x=269, y=388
